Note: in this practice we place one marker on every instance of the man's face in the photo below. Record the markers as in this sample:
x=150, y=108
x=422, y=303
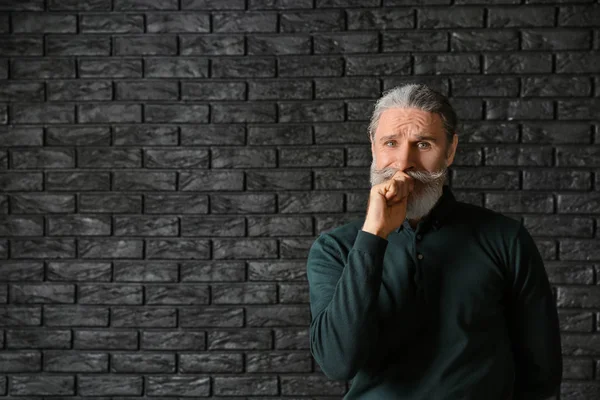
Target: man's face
x=413, y=141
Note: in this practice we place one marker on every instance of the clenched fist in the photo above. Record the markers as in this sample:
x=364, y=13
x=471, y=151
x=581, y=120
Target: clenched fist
x=386, y=209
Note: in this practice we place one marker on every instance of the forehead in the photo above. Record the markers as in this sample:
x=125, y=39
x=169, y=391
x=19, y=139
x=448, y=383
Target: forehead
x=409, y=121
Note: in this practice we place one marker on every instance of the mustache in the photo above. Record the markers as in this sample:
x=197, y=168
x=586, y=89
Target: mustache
x=421, y=176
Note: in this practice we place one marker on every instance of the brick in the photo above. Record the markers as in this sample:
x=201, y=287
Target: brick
x=20, y=361
x=311, y=157
x=249, y=339
x=105, y=340
x=43, y=69
x=21, y=91
x=213, y=226
x=280, y=44
x=484, y=86
x=291, y=338
x=146, y=90
x=271, y=316
x=519, y=109
x=279, y=90
x=113, y=68
x=574, y=368
x=243, y=158
x=378, y=65
x=556, y=132
x=178, y=113
x=109, y=158
x=310, y=202
x=211, y=5
x=106, y=203
x=177, y=386
x=517, y=63
x=279, y=4
x=211, y=363
x=129, y=5
x=109, y=247
x=175, y=158
x=577, y=109
x=219, y=271
x=247, y=385
x=555, y=86
x=380, y=19
x=42, y=158
x=213, y=45
x=11, y=315
x=213, y=91
x=249, y=112
x=78, y=271
x=39, y=203
x=309, y=66
x=578, y=16
x=244, y=248
x=183, y=204
x=295, y=248
x=242, y=203
x=247, y=21
x=125, y=271
x=278, y=180
x=306, y=21
x=306, y=385
x=345, y=3
x=579, y=203
x=580, y=157
x=21, y=226
x=45, y=385
x=279, y=226
x=494, y=41
x=21, y=271
x=488, y=132
x=414, y=41
x=178, y=22
x=244, y=293
x=279, y=135
x=557, y=180
x=506, y=17
x=22, y=113
x=142, y=363
x=176, y=294
x=109, y=113
x=446, y=64
x=145, y=135
x=526, y=155
x=574, y=344
x=146, y=317
x=111, y=23
x=581, y=249
x=211, y=180
x=520, y=202
x=38, y=339
x=203, y=317
x=464, y=178
x=547, y=39
x=77, y=45
x=577, y=62
x=42, y=248
x=293, y=293
x=109, y=385
x=20, y=181
x=360, y=156
x=224, y=135
x=75, y=315
x=347, y=88
x=180, y=67
x=559, y=226
x=458, y=17
x=75, y=362
x=235, y=67
x=327, y=223
x=276, y=271
x=173, y=340
x=342, y=179
x=328, y=43
x=313, y=111
x=179, y=249
x=109, y=294
x=28, y=293
x=21, y=45
x=26, y=5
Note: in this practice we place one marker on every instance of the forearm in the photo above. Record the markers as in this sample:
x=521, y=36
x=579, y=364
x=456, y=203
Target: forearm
x=342, y=332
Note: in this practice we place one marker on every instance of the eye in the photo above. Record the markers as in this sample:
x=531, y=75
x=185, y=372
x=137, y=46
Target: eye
x=388, y=142
x=427, y=145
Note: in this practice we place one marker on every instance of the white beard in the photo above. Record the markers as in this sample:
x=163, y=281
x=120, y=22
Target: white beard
x=428, y=188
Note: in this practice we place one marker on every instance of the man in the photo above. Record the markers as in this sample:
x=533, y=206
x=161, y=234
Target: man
x=427, y=297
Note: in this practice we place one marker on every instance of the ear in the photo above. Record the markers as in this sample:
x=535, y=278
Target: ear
x=452, y=150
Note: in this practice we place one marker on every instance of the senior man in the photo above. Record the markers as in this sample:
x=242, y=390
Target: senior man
x=426, y=297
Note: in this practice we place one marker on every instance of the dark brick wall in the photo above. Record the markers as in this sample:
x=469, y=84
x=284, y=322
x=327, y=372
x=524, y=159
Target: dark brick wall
x=166, y=164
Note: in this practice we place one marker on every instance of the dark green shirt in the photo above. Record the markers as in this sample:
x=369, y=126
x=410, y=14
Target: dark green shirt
x=458, y=308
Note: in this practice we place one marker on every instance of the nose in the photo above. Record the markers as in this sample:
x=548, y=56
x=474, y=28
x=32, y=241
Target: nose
x=404, y=157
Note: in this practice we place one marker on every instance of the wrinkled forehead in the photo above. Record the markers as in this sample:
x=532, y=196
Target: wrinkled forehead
x=408, y=121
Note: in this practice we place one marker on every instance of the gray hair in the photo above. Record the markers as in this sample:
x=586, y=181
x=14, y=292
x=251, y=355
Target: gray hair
x=413, y=95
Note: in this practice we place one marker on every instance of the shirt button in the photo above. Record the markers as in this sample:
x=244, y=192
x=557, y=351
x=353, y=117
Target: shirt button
x=419, y=237
x=420, y=256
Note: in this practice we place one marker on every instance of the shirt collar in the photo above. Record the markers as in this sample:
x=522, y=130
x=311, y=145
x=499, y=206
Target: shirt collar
x=439, y=213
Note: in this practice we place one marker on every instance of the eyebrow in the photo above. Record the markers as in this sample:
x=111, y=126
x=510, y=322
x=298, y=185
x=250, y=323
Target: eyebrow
x=418, y=137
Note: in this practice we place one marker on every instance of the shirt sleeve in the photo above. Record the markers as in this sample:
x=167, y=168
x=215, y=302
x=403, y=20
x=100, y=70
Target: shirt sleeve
x=533, y=323
x=343, y=299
